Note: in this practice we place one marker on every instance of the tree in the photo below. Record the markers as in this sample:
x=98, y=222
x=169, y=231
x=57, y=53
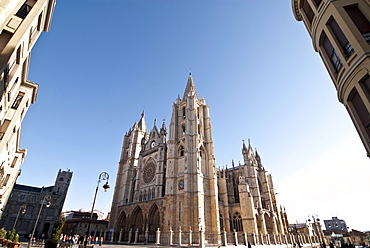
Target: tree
x=10, y=235
x=55, y=234
x=2, y=233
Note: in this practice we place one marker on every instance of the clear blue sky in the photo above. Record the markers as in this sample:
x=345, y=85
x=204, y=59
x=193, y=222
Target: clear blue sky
x=104, y=61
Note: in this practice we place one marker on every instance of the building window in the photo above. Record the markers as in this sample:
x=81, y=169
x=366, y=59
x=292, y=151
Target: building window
x=358, y=106
x=19, y=54
x=341, y=38
x=23, y=11
x=330, y=52
x=365, y=84
x=183, y=113
x=4, y=127
x=14, y=162
x=17, y=100
x=39, y=21
x=6, y=180
x=360, y=20
x=183, y=129
x=237, y=222
x=307, y=10
x=221, y=222
x=181, y=151
x=317, y=2
x=32, y=32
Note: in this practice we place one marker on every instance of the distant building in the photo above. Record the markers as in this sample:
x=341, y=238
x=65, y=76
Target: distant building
x=21, y=23
x=83, y=215
x=77, y=223
x=339, y=237
x=31, y=199
x=340, y=32
x=304, y=230
x=335, y=224
x=359, y=238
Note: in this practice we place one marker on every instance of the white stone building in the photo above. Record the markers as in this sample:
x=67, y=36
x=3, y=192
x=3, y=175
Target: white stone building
x=21, y=23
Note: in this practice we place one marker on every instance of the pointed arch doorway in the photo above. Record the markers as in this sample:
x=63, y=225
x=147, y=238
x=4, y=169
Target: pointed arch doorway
x=154, y=218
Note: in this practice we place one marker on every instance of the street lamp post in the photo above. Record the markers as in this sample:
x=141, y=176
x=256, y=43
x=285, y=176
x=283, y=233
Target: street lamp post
x=45, y=201
x=104, y=176
x=22, y=210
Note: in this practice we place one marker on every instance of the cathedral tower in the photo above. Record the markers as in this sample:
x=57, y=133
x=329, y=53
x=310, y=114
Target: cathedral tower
x=123, y=191
x=191, y=180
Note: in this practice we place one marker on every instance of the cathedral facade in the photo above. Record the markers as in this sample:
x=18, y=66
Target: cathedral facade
x=169, y=191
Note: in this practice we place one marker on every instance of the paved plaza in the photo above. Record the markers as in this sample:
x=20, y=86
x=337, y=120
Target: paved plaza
x=105, y=245
x=124, y=245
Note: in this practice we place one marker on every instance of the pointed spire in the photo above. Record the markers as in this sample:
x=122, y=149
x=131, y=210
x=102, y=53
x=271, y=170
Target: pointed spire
x=190, y=88
x=163, y=130
x=163, y=124
x=244, y=146
x=257, y=155
x=142, y=123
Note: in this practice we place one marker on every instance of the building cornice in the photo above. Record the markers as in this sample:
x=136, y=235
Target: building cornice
x=296, y=12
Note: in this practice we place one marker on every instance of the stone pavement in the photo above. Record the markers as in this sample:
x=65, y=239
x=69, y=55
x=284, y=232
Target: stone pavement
x=106, y=245
x=125, y=245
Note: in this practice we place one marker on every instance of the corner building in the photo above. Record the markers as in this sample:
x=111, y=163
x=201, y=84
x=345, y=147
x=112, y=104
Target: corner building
x=171, y=192
x=340, y=32
x=21, y=24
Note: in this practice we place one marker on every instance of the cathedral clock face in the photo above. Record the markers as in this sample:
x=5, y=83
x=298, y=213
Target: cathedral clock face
x=152, y=144
x=149, y=172
x=181, y=184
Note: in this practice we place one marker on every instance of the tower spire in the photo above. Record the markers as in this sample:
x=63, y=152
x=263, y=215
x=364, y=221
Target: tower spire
x=142, y=123
x=244, y=146
x=190, y=88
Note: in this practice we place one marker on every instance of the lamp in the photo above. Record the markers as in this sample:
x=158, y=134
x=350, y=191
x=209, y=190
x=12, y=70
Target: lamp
x=22, y=209
x=47, y=203
x=102, y=177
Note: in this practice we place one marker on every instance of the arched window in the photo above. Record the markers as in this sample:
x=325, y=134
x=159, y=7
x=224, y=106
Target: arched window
x=237, y=222
x=221, y=222
x=202, y=161
x=183, y=129
x=183, y=112
x=181, y=151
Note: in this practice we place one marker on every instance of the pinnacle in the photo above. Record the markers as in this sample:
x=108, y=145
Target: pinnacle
x=190, y=88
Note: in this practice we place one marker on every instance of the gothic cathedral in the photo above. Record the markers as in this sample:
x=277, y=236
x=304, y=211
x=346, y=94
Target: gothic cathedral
x=173, y=186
